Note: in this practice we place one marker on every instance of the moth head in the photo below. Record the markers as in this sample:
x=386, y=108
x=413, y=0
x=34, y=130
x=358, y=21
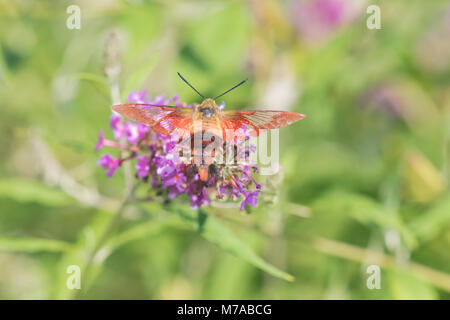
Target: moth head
x=208, y=108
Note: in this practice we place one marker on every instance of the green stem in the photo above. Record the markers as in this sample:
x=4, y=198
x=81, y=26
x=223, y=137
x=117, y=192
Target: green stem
x=109, y=230
x=446, y=149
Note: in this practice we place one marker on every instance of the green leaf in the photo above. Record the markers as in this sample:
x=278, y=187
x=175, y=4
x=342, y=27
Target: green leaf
x=422, y=180
x=4, y=74
x=33, y=245
x=231, y=48
x=22, y=190
x=429, y=224
x=216, y=232
x=136, y=232
x=364, y=210
x=80, y=254
x=403, y=286
x=96, y=80
x=135, y=80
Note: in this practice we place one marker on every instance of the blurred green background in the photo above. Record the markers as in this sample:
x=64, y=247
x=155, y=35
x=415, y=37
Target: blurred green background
x=365, y=176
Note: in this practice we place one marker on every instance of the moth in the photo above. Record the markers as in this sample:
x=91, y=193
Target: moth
x=205, y=118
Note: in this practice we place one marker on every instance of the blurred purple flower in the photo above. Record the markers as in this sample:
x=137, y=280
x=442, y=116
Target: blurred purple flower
x=143, y=97
x=117, y=126
x=331, y=12
x=101, y=140
x=222, y=105
x=142, y=166
x=317, y=19
x=177, y=181
x=109, y=163
x=138, y=97
x=199, y=199
x=251, y=198
x=131, y=132
x=386, y=97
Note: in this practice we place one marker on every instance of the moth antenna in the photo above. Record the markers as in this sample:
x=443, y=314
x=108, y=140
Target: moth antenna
x=231, y=88
x=190, y=85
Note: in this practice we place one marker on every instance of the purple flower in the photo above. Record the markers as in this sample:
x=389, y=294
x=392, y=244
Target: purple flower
x=143, y=129
x=316, y=19
x=131, y=132
x=109, y=163
x=222, y=105
x=142, y=166
x=387, y=97
x=331, y=12
x=158, y=160
x=221, y=191
x=101, y=140
x=159, y=100
x=117, y=126
x=135, y=131
x=199, y=199
x=177, y=180
x=251, y=198
x=138, y=97
x=169, y=146
x=164, y=167
x=173, y=193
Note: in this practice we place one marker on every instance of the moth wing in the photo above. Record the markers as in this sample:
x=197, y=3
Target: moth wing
x=163, y=119
x=257, y=120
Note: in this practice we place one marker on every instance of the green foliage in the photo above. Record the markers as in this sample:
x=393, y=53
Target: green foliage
x=32, y=245
x=23, y=190
x=215, y=232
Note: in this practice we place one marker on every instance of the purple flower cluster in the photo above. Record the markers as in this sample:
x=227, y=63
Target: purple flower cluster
x=315, y=20
x=157, y=162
